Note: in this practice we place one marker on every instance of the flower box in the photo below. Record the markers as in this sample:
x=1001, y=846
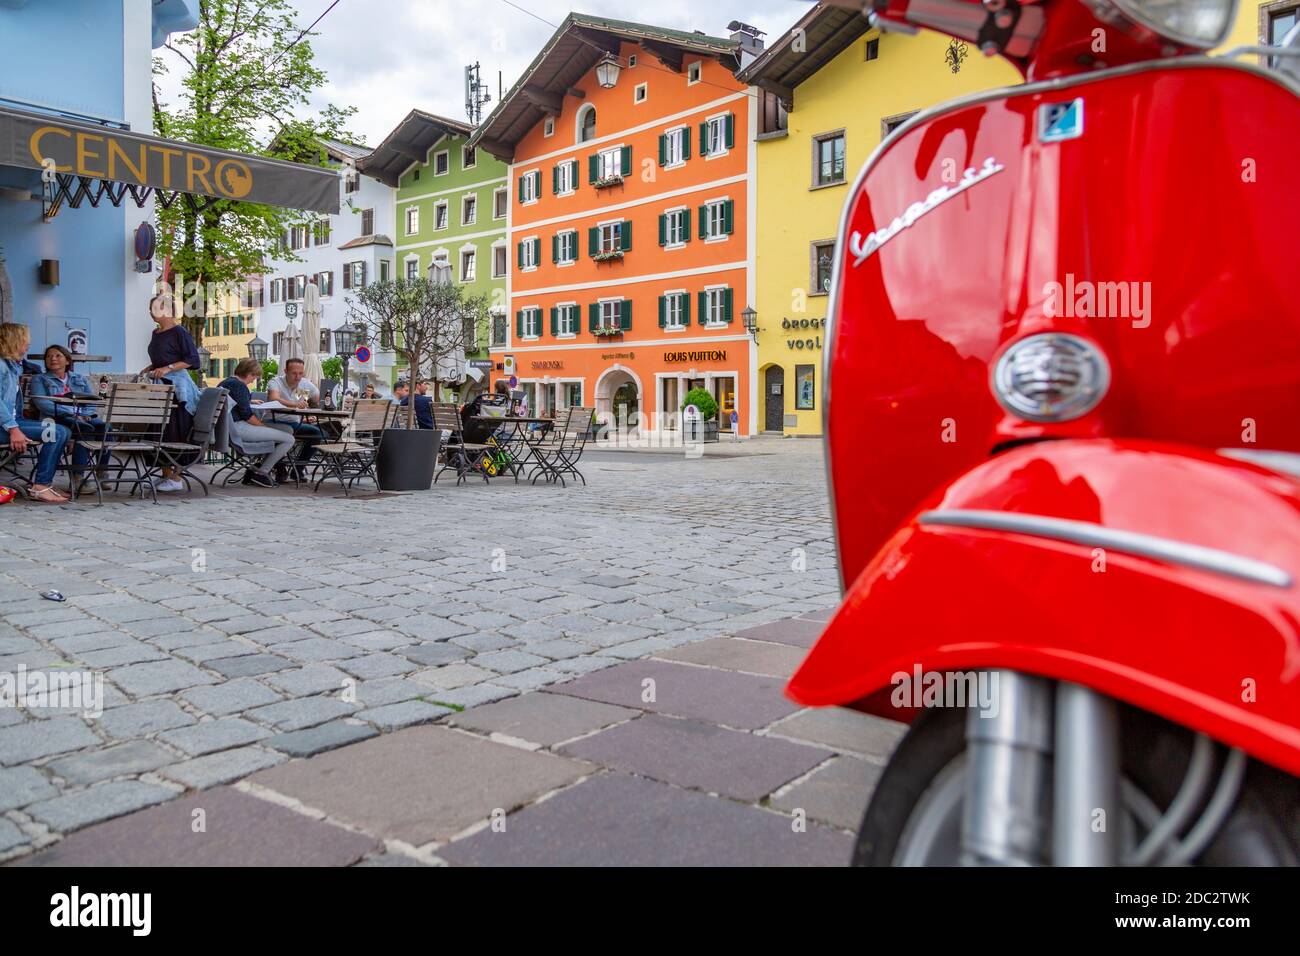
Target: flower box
x=608, y=333
x=609, y=256
x=608, y=181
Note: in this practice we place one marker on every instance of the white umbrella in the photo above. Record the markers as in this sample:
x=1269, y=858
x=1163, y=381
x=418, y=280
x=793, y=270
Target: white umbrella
x=311, y=334
x=292, y=347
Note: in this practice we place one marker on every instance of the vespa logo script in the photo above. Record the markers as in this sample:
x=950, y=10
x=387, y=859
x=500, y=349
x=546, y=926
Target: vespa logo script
x=862, y=248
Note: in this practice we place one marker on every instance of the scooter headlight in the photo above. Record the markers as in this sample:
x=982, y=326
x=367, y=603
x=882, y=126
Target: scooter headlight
x=1051, y=377
x=1200, y=24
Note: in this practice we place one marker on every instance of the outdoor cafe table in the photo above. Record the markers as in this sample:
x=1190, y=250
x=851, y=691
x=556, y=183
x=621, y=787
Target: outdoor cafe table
x=77, y=403
x=519, y=437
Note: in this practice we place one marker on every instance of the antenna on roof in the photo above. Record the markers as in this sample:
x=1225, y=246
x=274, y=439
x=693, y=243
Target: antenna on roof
x=476, y=94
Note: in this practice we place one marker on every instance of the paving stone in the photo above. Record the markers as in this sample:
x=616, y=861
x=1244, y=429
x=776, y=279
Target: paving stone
x=222, y=767
x=392, y=859
x=404, y=714
x=479, y=643
x=471, y=695
x=314, y=740
x=212, y=735
x=634, y=649
x=837, y=793
x=317, y=650
x=485, y=620
x=312, y=679
x=543, y=718
x=794, y=632
x=531, y=679
x=241, y=831
x=583, y=665
x=699, y=756
x=135, y=652
x=249, y=665
x=230, y=697
x=433, y=654
x=388, y=690
x=95, y=641
x=427, y=627
x=420, y=784
x=450, y=676
x=843, y=729
x=559, y=649
x=102, y=802
x=43, y=738
x=214, y=651
x=378, y=640
x=752, y=657
x=735, y=700
x=142, y=719
x=158, y=677
x=20, y=786
x=377, y=665
x=302, y=712
x=591, y=825
x=10, y=836
x=133, y=757
x=507, y=662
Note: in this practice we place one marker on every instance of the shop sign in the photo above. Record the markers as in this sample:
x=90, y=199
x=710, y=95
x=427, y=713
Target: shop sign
x=810, y=344
x=702, y=355
x=547, y=365
x=485, y=364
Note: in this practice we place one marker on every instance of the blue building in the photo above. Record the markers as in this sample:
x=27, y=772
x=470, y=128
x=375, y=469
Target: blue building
x=80, y=170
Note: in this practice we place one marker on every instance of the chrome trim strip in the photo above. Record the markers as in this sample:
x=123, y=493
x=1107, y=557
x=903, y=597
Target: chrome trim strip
x=1129, y=542
x=1058, y=83
x=1283, y=462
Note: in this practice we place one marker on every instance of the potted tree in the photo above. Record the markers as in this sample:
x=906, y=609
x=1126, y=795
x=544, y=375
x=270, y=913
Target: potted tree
x=708, y=406
x=424, y=319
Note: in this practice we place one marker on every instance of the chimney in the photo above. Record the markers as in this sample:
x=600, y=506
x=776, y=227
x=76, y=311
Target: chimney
x=750, y=40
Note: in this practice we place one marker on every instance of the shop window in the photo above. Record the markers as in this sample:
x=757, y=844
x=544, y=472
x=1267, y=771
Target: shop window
x=823, y=260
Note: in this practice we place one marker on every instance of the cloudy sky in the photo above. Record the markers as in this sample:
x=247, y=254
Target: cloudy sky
x=387, y=57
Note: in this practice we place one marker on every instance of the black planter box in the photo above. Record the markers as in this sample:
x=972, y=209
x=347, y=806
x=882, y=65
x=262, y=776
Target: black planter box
x=407, y=459
x=700, y=431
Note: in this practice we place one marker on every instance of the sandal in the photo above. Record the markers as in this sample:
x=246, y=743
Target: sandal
x=47, y=495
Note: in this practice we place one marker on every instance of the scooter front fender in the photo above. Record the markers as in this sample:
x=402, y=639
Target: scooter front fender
x=1161, y=575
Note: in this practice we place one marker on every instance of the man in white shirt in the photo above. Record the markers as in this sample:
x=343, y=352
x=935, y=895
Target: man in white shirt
x=291, y=389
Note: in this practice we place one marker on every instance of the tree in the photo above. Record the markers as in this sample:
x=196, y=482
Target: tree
x=425, y=321
x=270, y=369
x=247, y=73
x=702, y=399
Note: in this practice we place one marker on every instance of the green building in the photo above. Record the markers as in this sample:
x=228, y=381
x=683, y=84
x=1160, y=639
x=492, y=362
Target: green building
x=451, y=207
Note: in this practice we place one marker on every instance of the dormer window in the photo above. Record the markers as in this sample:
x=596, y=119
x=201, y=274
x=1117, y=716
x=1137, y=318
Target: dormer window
x=586, y=123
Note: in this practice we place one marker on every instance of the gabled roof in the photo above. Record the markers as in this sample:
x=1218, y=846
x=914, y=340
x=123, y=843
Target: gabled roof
x=376, y=240
x=340, y=150
x=576, y=47
x=826, y=31
x=409, y=143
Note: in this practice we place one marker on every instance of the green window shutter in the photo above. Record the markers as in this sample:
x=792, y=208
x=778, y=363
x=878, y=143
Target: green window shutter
x=555, y=247
x=555, y=179
x=663, y=149
x=555, y=321
x=686, y=224
x=663, y=229
x=519, y=255
x=686, y=308
x=726, y=306
x=704, y=139
x=537, y=250
x=593, y=316
x=704, y=222
x=625, y=235
x=728, y=211
x=519, y=322
x=663, y=311
x=537, y=181
x=625, y=315
x=593, y=240
x=627, y=161
x=686, y=142
x=593, y=168
x=731, y=130
x=704, y=307
x=521, y=188
x=573, y=173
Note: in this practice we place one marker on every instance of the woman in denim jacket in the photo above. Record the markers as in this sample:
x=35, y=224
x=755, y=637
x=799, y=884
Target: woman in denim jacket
x=172, y=353
x=58, y=380
x=14, y=342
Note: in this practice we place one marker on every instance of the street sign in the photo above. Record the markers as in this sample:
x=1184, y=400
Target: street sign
x=513, y=381
x=363, y=354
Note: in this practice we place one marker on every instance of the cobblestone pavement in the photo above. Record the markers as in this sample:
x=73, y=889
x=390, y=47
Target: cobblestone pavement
x=268, y=657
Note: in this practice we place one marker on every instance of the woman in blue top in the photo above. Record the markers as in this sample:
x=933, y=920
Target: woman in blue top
x=14, y=342
x=172, y=353
x=59, y=380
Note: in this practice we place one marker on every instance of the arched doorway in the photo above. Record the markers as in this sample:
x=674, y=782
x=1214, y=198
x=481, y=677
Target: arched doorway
x=618, y=398
x=774, y=399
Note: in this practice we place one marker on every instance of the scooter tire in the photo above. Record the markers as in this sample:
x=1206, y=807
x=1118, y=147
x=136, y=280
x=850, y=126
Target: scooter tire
x=1263, y=828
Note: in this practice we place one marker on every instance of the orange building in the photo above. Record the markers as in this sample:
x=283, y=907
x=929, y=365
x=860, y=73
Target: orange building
x=631, y=152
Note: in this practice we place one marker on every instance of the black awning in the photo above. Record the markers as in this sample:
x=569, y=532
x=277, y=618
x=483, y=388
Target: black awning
x=134, y=160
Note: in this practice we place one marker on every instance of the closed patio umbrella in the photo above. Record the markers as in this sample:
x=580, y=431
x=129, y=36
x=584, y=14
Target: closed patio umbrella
x=311, y=334
x=292, y=347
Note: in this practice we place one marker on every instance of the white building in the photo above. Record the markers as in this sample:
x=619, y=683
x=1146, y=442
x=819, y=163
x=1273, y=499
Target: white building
x=340, y=252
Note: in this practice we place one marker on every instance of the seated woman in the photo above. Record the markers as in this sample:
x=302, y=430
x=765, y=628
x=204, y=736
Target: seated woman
x=247, y=427
x=14, y=342
x=82, y=421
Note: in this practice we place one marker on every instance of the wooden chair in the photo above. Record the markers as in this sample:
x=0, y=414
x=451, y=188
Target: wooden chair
x=559, y=456
x=353, y=457
x=212, y=406
x=456, y=451
x=136, y=416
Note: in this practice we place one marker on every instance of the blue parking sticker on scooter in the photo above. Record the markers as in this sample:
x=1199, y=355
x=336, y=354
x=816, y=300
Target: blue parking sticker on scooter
x=1060, y=121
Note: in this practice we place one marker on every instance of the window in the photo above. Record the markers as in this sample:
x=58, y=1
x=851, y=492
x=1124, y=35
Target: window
x=639, y=92
x=631, y=61
x=367, y=222
x=351, y=181
x=297, y=237
x=586, y=123
x=440, y=215
x=468, y=267
x=528, y=253
x=610, y=164
x=354, y=275
x=716, y=219
x=717, y=135
x=564, y=319
x=674, y=311
x=412, y=220
x=548, y=126
x=871, y=49
x=468, y=157
x=325, y=283
x=715, y=306
x=412, y=269
x=891, y=123
x=564, y=247
x=564, y=177
x=470, y=333
x=469, y=210
x=441, y=163
x=823, y=259
x=277, y=290
x=675, y=146
x=573, y=394
x=530, y=186
x=384, y=267
x=828, y=159
x=499, y=327
x=499, y=203
x=693, y=73
x=610, y=237
x=675, y=228
x=297, y=286
x=415, y=175
x=325, y=341
x=277, y=343
x=1280, y=21
x=498, y=261
x=772, y=117
x=611, y=314
x=528, y=323
x=321, y=232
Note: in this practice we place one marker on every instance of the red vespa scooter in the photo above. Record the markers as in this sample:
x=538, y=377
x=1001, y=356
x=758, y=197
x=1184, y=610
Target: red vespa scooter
x=1063, y=435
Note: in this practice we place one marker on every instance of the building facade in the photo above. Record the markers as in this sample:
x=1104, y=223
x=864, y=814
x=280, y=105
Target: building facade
x=451, y=208
x=630, y=230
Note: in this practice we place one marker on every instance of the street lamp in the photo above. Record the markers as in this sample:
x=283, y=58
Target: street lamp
x=346, y=338
x=750, y=318
x=257, y=349
x=607, y=71
x=205, y=363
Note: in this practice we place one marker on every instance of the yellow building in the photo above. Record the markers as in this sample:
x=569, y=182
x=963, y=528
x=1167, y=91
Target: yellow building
x=230, y=324
x=829, y=90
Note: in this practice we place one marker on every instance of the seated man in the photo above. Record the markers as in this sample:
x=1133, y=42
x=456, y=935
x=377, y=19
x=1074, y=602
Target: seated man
x=292, y=389
x=247, y=427
x=423, y=403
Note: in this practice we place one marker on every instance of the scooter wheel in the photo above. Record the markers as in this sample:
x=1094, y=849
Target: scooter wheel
x=916, y=793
